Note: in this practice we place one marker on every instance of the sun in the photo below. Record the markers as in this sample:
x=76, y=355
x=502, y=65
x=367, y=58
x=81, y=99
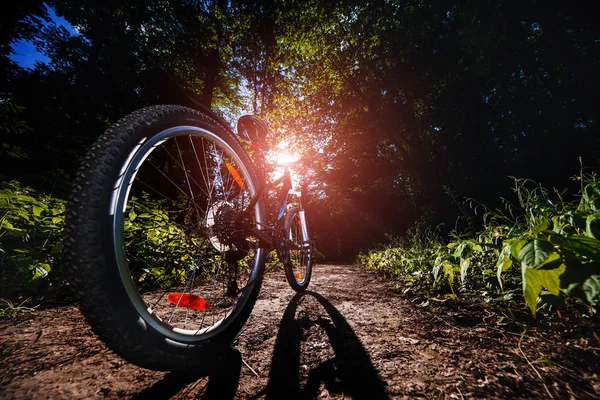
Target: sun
x=284, y=156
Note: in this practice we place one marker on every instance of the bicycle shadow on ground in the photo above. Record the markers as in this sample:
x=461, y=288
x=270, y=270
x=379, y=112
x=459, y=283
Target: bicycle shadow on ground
x=222, y=384
x=350, y=372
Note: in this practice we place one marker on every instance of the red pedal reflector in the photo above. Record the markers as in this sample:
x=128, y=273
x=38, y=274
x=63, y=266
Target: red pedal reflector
x=188, y=300
x=298, y=275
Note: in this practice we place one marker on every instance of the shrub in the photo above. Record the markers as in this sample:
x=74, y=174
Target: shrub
x=545, y=246
x=31, y=229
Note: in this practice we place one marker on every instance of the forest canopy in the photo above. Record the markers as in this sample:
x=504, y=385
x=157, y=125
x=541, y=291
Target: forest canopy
x=402, y=108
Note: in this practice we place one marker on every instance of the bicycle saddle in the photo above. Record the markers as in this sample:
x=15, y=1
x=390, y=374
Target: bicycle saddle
x=251, y=128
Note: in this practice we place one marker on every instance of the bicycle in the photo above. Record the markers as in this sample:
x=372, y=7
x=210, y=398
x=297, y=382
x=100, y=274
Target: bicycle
x=167, y=231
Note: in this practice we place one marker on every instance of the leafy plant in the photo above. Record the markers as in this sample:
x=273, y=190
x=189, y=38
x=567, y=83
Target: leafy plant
x=9, y=310
x=545, y=245
x=408, y=259
x=159, y=248
x=560, y=250
x=161, y=253
x=31, y=227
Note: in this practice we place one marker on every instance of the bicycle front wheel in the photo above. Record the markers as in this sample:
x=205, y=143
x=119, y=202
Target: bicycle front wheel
x=161, y=269
x=298, y=258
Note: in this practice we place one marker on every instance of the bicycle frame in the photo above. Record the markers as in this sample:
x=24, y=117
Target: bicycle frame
x=267, y=240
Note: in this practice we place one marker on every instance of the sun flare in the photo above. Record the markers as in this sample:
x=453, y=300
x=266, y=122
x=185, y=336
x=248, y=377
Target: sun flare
x=284, y=156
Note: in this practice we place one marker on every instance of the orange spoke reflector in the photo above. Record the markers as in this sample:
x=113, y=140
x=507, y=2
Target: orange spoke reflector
x=298, y=275
x=188, y=300
x=235, y=175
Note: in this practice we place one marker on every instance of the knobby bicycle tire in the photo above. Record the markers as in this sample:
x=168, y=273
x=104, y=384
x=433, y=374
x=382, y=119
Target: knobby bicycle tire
x=150, y=220
x=298, y=263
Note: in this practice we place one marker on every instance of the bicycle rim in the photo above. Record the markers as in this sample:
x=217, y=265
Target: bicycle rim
x=174, y=210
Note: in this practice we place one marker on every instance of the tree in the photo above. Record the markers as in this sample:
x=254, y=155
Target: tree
x=395, y=104
x=20, y=21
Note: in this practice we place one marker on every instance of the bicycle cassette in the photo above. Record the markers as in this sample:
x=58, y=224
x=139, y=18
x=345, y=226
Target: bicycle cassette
x=221, y=225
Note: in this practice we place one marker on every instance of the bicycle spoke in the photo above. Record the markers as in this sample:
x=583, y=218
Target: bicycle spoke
x=189, y=178
x=204, y=177
x=182, y=168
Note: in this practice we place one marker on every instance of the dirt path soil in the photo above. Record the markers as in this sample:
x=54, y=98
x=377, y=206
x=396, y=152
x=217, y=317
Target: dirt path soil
x=351, y=336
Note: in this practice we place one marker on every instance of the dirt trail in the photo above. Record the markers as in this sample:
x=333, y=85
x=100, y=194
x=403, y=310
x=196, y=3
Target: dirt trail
x=351, y=336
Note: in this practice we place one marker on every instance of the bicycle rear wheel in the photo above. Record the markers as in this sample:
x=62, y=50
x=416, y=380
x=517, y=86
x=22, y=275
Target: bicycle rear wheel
x=298, y=260
x=152, y=238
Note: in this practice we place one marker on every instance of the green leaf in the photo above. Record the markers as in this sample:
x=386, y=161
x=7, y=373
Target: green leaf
x=588, y=191
x=57, y=248
x=464, y=267
x=26, y=199
x=578, y=221
x=541, y=226
x=536, y=279
x=41, y=270
x=449, y=271
x=558, y=222
x=7, y=225
x=464, y=250
x=37, y=210
x=436, y=271
x=581, y=245
x=591, y=287
x=593, y=227
x=537, y=253
x=446, y=267
x=13, y=230
x=24, y=215
x=589, y=198
x=503, y=264
x=515, y=247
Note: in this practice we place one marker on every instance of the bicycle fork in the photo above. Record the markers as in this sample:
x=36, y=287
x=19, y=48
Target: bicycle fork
x=303, y=226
